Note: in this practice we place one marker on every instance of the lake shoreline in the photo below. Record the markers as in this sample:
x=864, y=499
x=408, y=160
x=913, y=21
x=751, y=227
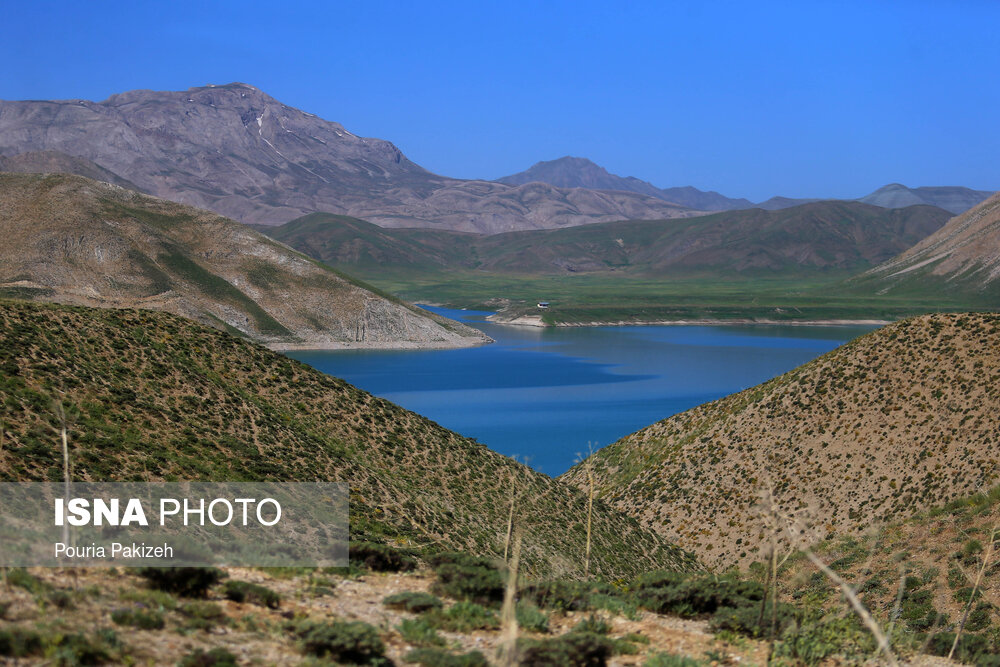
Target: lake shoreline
x=533, y=321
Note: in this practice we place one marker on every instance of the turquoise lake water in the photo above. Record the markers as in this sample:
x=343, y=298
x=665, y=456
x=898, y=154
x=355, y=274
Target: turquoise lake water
x=544, y=394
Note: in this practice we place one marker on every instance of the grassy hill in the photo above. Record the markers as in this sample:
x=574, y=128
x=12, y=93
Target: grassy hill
x=155, y=397
x=770, y=265
x=73, y=240
x=891, y=423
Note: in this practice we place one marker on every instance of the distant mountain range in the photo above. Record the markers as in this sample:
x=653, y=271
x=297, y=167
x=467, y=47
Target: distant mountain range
x=73, y=240
x=822, y=236
x=239, y=152
x=576, y=172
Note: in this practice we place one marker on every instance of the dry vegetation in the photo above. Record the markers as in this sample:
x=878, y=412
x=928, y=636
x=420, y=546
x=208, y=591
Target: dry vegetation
x=894, y=422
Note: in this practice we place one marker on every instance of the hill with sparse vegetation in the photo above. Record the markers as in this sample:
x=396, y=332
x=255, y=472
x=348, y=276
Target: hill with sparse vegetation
x=151, y=396
x=73, y=240
x=885, y=426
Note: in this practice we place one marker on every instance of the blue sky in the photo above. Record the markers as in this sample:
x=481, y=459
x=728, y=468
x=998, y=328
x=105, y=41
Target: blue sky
x=748, y=98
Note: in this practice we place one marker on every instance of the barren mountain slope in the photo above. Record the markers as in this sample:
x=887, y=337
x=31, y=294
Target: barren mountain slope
x=895, y=421
x=73, y=240
x=239, y=152
x=962, y=257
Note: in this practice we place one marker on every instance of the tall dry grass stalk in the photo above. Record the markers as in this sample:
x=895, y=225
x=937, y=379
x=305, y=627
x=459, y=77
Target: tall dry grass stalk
x=987, y=558
x=61, y=415
x=508, y=613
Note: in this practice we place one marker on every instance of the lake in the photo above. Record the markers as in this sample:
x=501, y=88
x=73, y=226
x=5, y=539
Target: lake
x=545, y=394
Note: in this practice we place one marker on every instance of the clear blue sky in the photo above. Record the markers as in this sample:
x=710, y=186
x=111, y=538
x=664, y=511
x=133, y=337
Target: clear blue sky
x=804, y=98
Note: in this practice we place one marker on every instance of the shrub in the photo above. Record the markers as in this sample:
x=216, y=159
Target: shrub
x=688, y=595
x=971, y=648
x=594, y=625
x=468, y=578
x=979, y=618
x=351, y=642
x=811, y=643
x=747, y=620
x=531, y=617
x=381, y=557
x=567, y=595
x=18, y=642
x=464, y=617
x=435, y=657
x=23, y=579
x=217, y=657
x=416, y=603
x=203, y=615
x=138, y=618
x=671, y=660
x=244, y=591
x=575, y=649
x=419, y=632
x=191, y=582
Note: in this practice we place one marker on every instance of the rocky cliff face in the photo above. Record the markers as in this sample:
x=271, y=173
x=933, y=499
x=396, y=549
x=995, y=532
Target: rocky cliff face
x=239, y=152
x=72, y=240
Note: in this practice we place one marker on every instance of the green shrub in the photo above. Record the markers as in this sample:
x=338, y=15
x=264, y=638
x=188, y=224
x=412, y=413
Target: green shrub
x=531, y=618
x=77, y=649
x=203, y=615
x=381, y=557
x=191, y=582
x=671, y=660
x=138, y=618
x=244, y=591
x=217, y=657
x=16, y=642
x=971, y=648
x=464, y=617
x=687, y=595
x=468, y=578
x=979, y=618
x=594, y=625
x=23, y=579
x=351, y=642
x=567, y=595
x=435, y=657
x=575, y=649
x=419, y=632
x=416, y=603
x=747, y=620
x=811, y=643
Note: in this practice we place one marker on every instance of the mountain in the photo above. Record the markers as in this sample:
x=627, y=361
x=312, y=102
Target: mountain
x=43, y=162
x=778, y=203
x=152, y=397
x=578, y=172
x=950, y=198
x=891, y=423
x=239, y=152
x=962, y=258
x=824, y=236
x=73, y=240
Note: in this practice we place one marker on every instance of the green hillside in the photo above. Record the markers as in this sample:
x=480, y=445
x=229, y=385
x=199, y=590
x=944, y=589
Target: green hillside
x=151, y=396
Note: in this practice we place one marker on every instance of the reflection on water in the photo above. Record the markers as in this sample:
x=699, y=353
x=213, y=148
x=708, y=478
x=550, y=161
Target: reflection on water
x=543, y=394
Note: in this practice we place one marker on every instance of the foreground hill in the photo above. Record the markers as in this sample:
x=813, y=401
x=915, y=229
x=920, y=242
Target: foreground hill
x=153, y=397
x=961, y=259
x=891, y=423
x=73, y=240
x=239, y=152
x=823, y=236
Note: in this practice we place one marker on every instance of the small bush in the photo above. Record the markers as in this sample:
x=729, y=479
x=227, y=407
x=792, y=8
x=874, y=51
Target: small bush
x=416, y=603
x=203, y=615
x=747, y=620
x=23, y=579
x=468, y=578
x=217, y=657
x=191, y=582
x=531, y=618
x=671, y=660
x=354, y=643
x=419, y=632
x=464, y=617
x=811, y=643
x=971, y=648
x=568, y=595
x=594, y=625
x=244, y=591
x=381, y=557
x=18, y=642
x=138, y=618
x=575, y=649
x=435, y=657
x=687, y=595
x=979, y=618
x=61, y=600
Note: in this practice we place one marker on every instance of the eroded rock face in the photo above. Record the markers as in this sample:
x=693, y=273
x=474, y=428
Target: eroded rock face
x=235, y=150
x=78, y=241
